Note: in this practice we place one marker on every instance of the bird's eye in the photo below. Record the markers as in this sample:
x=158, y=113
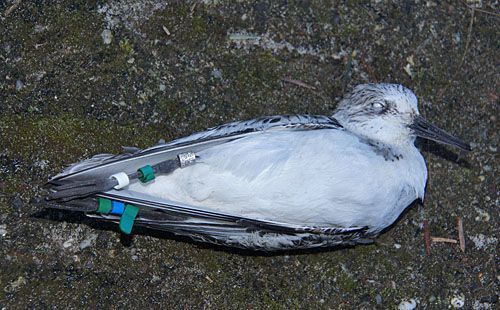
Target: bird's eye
x=378, y=105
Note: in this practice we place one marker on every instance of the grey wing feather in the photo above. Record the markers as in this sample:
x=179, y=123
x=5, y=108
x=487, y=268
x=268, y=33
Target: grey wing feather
x=193, y=143
x=184, y=210
x=94, y=161
x=299, y=121
x=226, y=229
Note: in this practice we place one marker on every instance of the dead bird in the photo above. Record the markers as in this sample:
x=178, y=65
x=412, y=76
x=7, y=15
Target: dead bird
x=271, y=183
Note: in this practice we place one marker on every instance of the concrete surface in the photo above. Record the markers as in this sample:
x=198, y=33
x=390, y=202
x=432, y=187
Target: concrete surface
x=82, y=77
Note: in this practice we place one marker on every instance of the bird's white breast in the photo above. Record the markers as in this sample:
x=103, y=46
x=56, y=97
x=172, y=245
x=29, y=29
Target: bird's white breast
x=315, y=178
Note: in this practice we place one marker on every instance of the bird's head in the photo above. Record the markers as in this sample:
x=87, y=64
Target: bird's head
x=388, y=114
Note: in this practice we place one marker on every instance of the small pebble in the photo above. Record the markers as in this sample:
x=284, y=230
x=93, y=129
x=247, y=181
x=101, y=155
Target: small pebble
x=378, y=299
x=216, y=73
x=68, y=243
x=487, y=168
x=106, y=36
x=17, y=203
x=432, y=299
x=481, y=241
x=458, y=301
x=88, y=241
x=397, y=246
x=483, y=215
x=407, y=304
x=17, y=283
x=155, y=278
x=19, y=85
x=162, y=87
x=3, y=230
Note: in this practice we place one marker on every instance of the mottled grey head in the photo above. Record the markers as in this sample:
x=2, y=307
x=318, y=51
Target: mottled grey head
x=388, y=114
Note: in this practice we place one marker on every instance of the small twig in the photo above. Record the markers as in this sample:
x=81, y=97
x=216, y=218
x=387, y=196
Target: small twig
x=298, y=83
x=461, y=238
x=209, y=279
x=427, y=238
x=165, y=29
x=488, y=12
x=480, y=10
x=440, y=239
x=423, y=44
x=318, y=93
x=12, y=8
x=469, y=35
x=191, y=10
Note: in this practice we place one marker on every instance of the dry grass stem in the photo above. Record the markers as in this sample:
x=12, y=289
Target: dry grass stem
x=461, y=237
x=298, y=83
x=446, y=240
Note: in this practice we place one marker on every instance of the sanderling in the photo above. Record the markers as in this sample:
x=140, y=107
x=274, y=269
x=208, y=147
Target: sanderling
x=271, y=183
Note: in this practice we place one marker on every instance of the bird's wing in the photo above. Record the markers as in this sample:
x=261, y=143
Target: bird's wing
x=194, y=221
x=108, y=164
x=218, y=227
x=299, y=121
x=193, y=212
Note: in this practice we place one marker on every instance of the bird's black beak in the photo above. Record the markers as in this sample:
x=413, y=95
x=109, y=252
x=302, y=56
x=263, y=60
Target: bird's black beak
x=424, y=129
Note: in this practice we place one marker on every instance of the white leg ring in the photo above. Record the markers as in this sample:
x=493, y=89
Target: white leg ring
x=122, y=179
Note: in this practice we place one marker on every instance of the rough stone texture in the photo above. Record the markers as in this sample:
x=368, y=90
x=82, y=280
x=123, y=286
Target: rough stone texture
x=175, y=67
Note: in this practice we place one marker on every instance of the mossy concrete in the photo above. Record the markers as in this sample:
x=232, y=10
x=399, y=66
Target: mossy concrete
x=179, y=67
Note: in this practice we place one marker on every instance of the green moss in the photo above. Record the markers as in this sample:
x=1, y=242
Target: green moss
x=254, y=75
x=199, y=25
x=63, y=137
x=348, y=30
x=346, y=282
x=73, y=27
x=126, y=46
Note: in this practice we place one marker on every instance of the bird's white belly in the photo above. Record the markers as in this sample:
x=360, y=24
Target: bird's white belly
x=314, y=178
